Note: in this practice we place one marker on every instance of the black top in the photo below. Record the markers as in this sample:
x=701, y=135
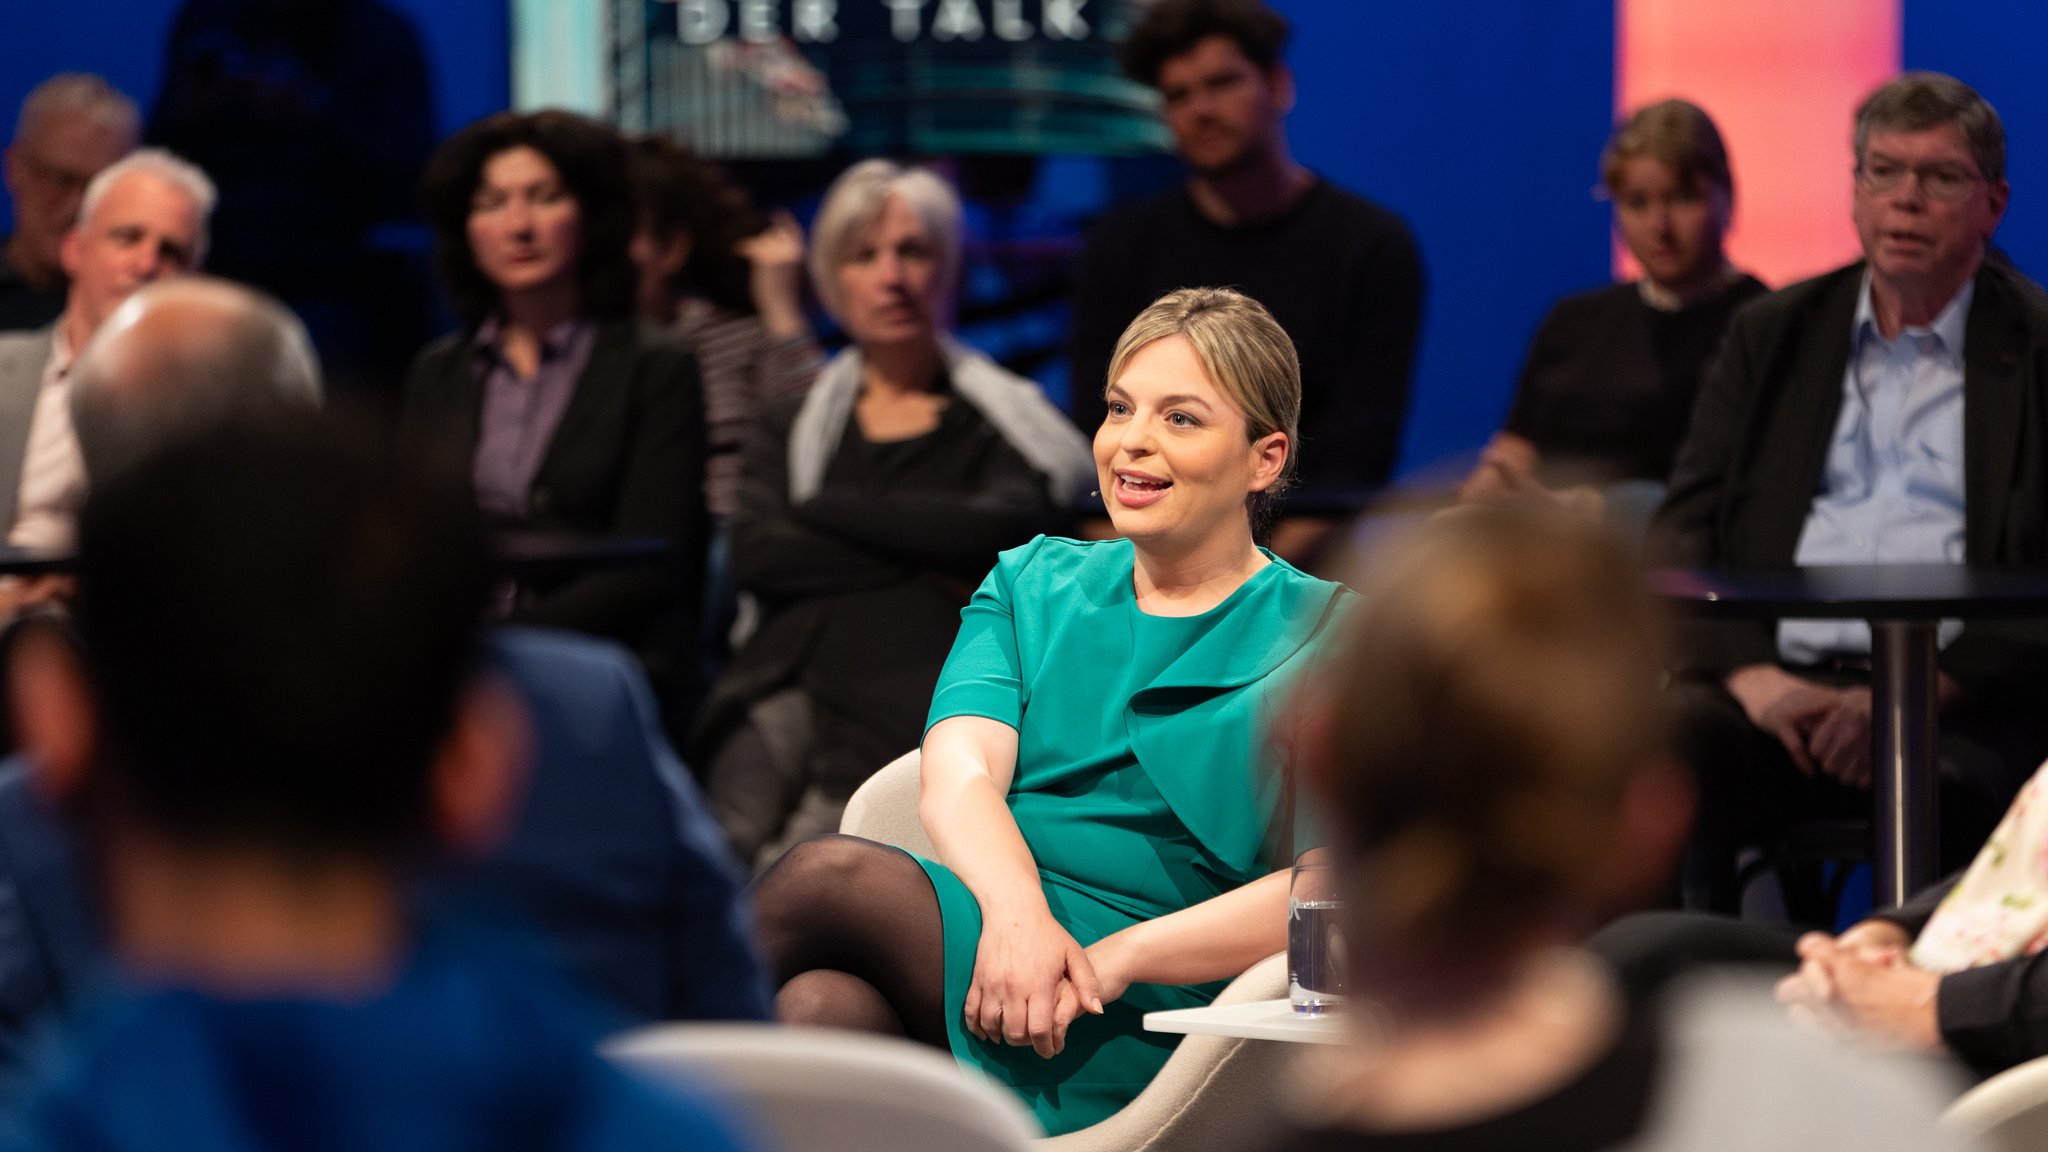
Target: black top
x=1603, y=1107
x=1608, y=386
x=1341, y=275
x=22, y=307
x=861, y=585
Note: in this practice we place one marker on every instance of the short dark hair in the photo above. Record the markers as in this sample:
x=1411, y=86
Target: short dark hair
x=1170, y=28
x=1918, y=101
x=680, y=192
x=591, y=159
x=277, y=619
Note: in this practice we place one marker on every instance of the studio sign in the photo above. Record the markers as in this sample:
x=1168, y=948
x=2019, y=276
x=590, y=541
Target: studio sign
x=816, y=21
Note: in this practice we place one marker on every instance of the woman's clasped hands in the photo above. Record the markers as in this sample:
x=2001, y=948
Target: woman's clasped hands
x=1031, y=981
x=1861, y=984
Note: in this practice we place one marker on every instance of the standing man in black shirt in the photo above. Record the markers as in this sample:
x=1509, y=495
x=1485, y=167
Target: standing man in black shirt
x=1342, y=275
x=72, y=125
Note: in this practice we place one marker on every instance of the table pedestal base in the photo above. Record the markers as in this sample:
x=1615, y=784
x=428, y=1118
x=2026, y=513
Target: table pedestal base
x=1904, y=690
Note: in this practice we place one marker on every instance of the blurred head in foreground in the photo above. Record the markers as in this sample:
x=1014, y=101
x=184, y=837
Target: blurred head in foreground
x=273, y=707
x=179, y=356
x=1488, y=751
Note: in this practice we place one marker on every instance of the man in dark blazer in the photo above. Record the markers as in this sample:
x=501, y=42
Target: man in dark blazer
x=1892, y=411
x=612, y=862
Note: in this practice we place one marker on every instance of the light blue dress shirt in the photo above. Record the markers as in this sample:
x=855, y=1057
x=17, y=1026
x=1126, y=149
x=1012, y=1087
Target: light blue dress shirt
x=1891, y=491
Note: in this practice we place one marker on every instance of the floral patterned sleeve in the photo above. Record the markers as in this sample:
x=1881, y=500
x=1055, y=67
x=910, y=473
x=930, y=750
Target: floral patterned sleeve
x=1998, y=911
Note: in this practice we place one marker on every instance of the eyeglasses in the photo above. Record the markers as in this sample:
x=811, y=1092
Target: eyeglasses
x=1939, y=181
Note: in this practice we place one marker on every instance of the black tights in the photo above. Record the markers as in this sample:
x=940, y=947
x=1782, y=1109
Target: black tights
x=854, y=939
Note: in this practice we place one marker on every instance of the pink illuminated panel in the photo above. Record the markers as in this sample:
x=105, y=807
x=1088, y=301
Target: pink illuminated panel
x=1782, y=78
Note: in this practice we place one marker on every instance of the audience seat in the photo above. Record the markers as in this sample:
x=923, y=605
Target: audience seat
x=1214, y=1092
x=826, y=1091
x=884, y=808
x=2010, y=1110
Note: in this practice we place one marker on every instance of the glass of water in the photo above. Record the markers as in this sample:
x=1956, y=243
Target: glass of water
x=1315, y=945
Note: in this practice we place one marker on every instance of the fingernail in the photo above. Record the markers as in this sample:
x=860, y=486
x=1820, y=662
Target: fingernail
x=1098, y=1005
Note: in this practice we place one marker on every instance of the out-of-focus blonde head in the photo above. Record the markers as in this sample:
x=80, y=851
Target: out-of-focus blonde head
x=1499, y=693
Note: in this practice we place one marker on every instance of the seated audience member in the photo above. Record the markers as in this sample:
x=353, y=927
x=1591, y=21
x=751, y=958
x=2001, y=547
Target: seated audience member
x=269, y=715
x=1341, y=274
x=1611, y=376
x=1488, y=754
x=1095, y=764
x=1959, y=968
x=731, y=286
x=560, y=409
x=612, y=861
x=143, y=217
x=1883, y=413
x=868, y=509
x=72, y=126
x=612, y=856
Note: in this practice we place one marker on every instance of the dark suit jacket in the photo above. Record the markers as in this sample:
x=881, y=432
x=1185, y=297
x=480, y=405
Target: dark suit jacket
x=627, y=459
x=1751, y=462
x=613, y=861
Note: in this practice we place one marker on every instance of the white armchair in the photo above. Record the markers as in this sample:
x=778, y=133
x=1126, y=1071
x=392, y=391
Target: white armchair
x=1214, y=1092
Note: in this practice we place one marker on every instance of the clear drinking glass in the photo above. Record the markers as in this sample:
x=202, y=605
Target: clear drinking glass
x=1315, y=946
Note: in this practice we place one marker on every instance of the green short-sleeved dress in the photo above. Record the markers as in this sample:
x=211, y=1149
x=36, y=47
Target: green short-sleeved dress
x=1142, y=784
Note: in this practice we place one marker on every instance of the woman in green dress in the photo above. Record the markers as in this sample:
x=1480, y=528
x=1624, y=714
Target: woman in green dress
x=1096, y=771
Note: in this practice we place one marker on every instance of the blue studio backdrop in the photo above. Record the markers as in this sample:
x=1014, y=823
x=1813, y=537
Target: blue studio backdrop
x=1479, y=122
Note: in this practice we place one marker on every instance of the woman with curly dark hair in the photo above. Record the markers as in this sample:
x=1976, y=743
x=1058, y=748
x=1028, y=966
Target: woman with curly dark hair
x=564, y=413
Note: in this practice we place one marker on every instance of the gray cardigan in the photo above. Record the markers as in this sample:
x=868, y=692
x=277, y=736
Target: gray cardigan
x=23, y=357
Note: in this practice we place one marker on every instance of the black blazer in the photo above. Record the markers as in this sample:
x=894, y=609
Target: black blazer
x=627, y=459
x=1746, y=475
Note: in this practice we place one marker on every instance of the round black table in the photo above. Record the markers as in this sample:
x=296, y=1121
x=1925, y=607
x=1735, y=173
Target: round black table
x=1904, y=604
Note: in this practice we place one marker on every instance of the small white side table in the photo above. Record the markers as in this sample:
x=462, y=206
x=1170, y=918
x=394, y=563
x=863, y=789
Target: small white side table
x=1256, y=1020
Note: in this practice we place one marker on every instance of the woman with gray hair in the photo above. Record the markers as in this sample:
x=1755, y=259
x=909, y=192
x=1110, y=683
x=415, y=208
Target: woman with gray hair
x=869, y=507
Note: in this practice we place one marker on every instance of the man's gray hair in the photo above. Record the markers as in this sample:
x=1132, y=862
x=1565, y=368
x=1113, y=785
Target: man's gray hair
x=169, y=167
x=1919, y=101
x=78, y=94
x=179, y=356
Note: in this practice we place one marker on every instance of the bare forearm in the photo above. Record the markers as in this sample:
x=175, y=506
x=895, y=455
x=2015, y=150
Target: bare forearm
x=962, y=807
x=1214, y=940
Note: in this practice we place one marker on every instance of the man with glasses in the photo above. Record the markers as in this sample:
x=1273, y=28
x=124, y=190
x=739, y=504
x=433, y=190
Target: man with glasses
x=72, y=126
x=142, y=219
x=1894, y=411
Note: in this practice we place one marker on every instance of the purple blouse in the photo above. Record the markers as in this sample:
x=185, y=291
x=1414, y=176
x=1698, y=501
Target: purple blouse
x=520, y=415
